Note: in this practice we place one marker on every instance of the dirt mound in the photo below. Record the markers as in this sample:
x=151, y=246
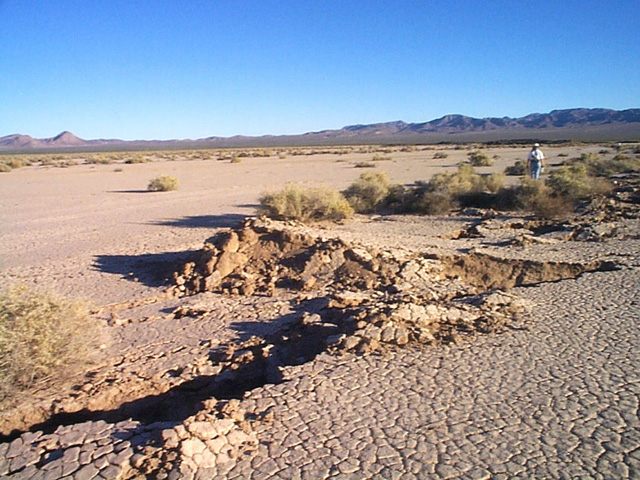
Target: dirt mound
x=488, y=272
x=259, y=258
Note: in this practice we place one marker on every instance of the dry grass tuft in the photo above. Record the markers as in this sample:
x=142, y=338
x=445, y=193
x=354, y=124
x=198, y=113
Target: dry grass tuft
x=479, y=159
x=164, y=183
x=41, y=336
x=312, y=204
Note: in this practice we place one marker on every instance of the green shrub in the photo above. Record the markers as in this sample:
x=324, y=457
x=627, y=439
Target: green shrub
x=368, y=192
x=573, y=182
x=314, y=204
x=163, y=183
x=516, y=170
x=41, y=336
x=479, y=159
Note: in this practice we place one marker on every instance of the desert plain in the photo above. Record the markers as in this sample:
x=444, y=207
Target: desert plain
x=542, y=381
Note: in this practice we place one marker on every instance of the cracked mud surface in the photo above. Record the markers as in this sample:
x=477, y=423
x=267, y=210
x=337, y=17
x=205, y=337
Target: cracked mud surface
x=268, y=374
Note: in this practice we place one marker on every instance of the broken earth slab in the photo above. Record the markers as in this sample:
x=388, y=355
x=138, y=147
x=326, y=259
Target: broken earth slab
x=342, y=297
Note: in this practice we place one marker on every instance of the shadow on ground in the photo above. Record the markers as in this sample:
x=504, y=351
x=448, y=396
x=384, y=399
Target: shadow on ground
x=230, y=220
x=128, y=191
x=246, y=366
x=151, y=269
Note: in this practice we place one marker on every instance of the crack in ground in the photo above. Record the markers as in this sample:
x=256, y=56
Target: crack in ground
x=349, y=298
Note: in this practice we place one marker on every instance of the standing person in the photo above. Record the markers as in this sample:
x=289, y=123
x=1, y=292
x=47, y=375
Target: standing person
x=535, y=161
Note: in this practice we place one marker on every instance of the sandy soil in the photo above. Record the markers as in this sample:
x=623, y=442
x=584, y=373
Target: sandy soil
x=81, y=229
x=94, y=232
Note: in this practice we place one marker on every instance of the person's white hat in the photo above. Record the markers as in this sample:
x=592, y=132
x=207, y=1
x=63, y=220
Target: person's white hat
x=536, y=144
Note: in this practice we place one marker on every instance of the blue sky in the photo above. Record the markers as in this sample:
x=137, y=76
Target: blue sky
x=144, y=69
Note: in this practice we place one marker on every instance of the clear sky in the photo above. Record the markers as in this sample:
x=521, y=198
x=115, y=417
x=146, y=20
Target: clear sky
x=161, y=69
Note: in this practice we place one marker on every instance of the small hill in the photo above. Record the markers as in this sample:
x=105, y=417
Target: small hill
x=65, y=139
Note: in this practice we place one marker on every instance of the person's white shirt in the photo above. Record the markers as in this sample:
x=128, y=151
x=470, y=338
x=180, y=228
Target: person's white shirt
x=536, y=155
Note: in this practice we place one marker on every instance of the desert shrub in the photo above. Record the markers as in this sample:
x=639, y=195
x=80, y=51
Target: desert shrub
x=41, y=336
x=236, y=159
x=368, y=192
x=439, y=155
x=430, y=202
x=621, y=163
x=363, y=164
x=604, y=151
x=4, y=168
x=131, y=161
x=98, y=161
x=563, y=154
x=447, y=191
x=573, y=182
x=595, y=166
x=516, y=170
x=313, y=204
x=621, y=156
x=479, y=159
x=14, y=163
x=163, y=183
x=533, y=195
x=380, y=158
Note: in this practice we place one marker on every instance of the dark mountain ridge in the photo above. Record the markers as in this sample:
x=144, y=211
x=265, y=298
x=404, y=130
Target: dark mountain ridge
x=573, y=124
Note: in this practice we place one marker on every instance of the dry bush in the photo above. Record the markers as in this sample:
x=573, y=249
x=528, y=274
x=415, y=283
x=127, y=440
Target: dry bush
x=479, y=159
x=163, y=183
x=447, y=191
x=137, y=159
x=516, y=170
x=4, y=168
x=597, y=167
x=533, y=195
x=41, y=336
x=368, y=192
x=574, y=183
x=14, y=163
x=313, y=204
x=621, y=163
x=363, y=164
x=236, y=158
x=439, y=155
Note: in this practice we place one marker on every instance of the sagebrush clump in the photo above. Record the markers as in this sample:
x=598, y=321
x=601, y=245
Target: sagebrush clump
x=163, y=183
x=479, y=159
x=306, y=204
x=41, y=336
x=535, y=196
x=518, y=169
x=574, y=182
x=450, y=190
x=369, y=192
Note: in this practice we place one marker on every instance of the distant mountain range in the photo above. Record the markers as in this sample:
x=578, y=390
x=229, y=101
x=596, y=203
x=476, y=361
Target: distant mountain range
x=596, y=124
